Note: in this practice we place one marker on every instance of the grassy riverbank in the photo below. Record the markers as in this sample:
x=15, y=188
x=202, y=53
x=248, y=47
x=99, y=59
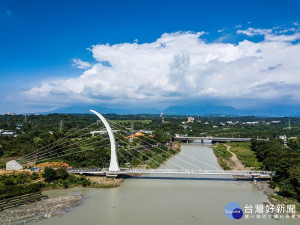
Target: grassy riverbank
x=236, y=156
x=245, y=154
x=222, y=154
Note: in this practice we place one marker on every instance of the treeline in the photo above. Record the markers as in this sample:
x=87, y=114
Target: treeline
x=25, y=183
x=38, y=131
x=61, y=178
x=15, y=185
x=285, y=161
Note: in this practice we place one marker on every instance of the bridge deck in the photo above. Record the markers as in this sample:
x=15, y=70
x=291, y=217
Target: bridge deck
x=216, y=139
x=174, y=171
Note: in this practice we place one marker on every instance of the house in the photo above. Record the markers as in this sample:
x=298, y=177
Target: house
x=191, y=119
x=8, y=133
x=251, y=123
x=100, y=132
x=275, y=121
x=284, y=138
x=13, y=165
x=136, y=135
x=147, y=131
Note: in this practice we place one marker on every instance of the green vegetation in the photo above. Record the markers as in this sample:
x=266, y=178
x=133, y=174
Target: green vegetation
x=277, y=199
x=61, y=178
x=221, y=153
x=2, y=165
x=285, y=161
x=15, y=185
x=128, y=122
x=245, y=154
x=25, y=183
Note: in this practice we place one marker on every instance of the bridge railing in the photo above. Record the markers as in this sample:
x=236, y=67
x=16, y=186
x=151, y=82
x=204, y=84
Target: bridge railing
x=175, y=171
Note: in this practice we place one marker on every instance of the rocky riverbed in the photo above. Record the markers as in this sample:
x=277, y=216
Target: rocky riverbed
x=39, y=210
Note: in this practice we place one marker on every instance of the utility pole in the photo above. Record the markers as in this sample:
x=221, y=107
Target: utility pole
x=60, y=126
x=132, y=127
x=162, y=117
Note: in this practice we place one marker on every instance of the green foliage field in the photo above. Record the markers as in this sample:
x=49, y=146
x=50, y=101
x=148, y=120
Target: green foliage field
x=285, y=161
x=128, y=122
x=245, y=154
x=61, y=178
x=221, y=153
x=18, y=184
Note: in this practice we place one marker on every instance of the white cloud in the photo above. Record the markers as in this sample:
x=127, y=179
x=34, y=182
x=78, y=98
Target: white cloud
x=272, y=34
x=181, y=66
x=81, y=64
x=221, y=30
x=252, y=31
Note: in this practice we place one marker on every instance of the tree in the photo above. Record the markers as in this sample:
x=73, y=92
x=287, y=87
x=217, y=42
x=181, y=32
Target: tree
x=61, y=173
x=49, y=175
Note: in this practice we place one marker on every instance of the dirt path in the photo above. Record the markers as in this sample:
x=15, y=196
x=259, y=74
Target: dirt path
x=234, y=162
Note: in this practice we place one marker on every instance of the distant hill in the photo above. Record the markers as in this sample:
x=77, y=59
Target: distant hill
x=201, y=110
x=86, y=109
x=208, y=110
x=279, y=110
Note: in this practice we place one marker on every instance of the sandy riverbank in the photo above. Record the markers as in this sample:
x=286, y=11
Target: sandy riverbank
x=39, y=210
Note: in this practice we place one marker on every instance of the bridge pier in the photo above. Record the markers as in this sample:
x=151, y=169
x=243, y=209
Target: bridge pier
x=254, y=179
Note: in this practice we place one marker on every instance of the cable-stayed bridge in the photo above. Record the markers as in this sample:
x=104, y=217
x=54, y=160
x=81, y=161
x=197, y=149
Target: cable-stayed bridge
x=142, y=151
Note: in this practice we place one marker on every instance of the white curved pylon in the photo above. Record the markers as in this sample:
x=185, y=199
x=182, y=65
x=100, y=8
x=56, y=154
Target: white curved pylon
x=114, y=164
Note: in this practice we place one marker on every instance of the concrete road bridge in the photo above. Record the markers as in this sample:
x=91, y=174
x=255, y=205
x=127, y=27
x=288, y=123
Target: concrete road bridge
x=212, y=139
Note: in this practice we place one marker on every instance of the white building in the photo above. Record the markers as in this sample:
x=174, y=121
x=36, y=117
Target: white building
x=275, y=121
x=147, y=131
x=283, y=137
x=251, y=123
x=100, y=132
x=13, y=165
x=191, y=119
x=8, y=133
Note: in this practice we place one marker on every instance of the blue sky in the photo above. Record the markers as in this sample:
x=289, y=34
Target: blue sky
x=53, y=53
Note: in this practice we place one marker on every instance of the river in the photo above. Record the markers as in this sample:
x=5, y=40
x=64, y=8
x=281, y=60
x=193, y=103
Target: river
x=166, y=200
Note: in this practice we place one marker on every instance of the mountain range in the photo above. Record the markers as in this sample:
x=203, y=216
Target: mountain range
x=200, y=110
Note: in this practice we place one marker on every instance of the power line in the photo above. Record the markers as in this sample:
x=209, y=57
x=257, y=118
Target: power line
x=56, y=142
x=145, y=154
x=173, y=156
x=168, y=152
x=68, y=149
